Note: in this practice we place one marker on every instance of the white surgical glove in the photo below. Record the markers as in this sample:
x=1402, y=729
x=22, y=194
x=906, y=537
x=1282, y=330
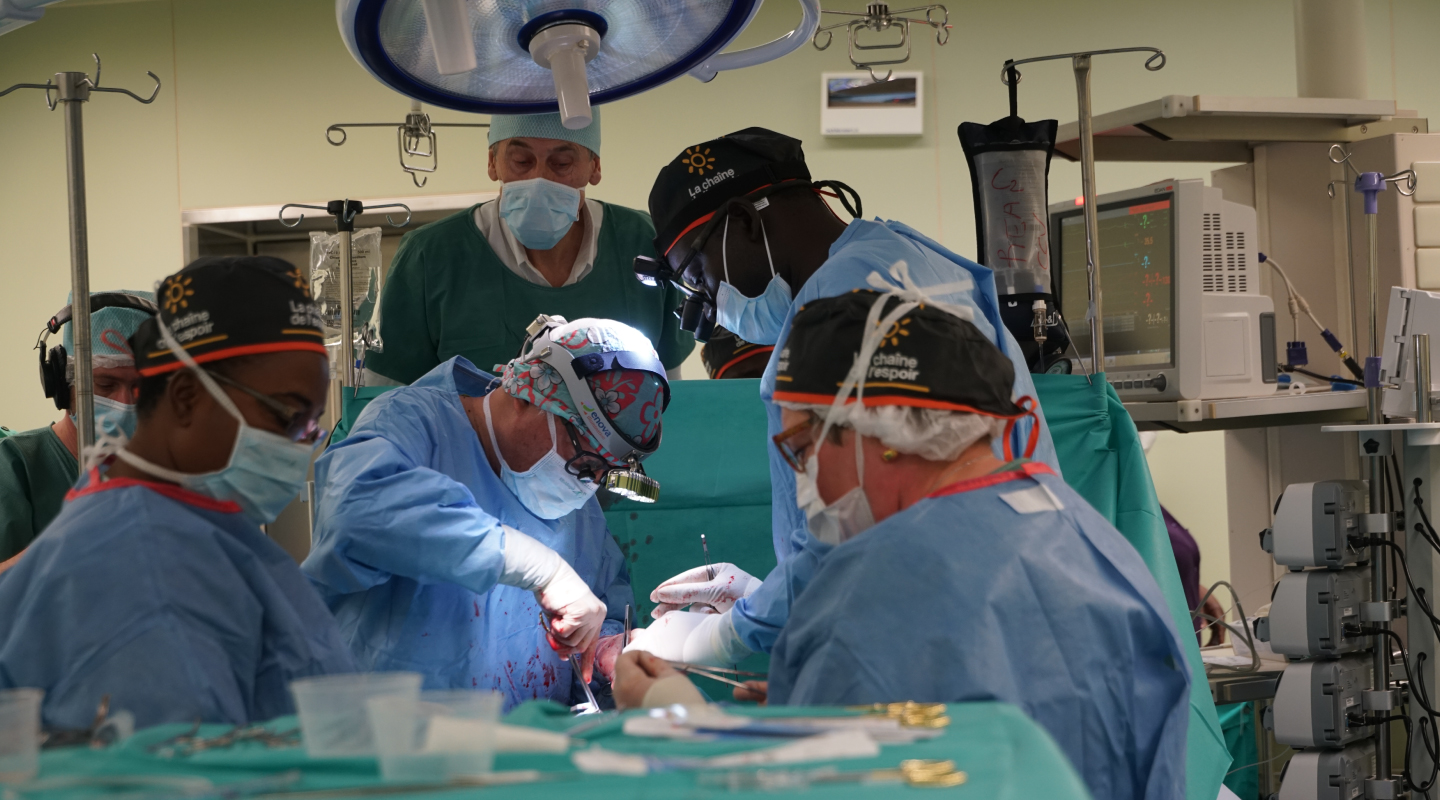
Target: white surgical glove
x=691, y=637
x=707, y=595
x=575, y=613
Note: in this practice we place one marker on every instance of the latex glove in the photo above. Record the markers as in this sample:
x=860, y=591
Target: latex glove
x=691, y=637
x=575, y=613
x=607, y=651
x=704, y=594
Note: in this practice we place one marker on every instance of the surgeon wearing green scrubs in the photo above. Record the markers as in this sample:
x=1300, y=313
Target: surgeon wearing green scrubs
x=469, y=284
x=38, y=467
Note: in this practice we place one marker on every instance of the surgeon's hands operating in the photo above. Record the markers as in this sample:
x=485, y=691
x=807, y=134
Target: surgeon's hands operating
x=703, y=592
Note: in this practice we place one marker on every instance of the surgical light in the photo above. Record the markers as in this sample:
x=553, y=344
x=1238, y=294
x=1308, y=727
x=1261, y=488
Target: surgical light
x=540, y=56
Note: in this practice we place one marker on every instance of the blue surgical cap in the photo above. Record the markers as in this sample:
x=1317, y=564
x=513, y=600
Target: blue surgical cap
x=545, y=126
x=110, y=331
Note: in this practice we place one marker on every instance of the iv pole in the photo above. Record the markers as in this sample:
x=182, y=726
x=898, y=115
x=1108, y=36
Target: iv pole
x=1081, y=63
x=72, y=89
x=345, y=211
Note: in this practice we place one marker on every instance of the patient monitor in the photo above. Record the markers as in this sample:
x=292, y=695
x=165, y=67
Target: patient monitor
x=1184, y=318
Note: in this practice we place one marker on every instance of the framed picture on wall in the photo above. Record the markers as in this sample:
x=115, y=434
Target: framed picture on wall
x=854, y=104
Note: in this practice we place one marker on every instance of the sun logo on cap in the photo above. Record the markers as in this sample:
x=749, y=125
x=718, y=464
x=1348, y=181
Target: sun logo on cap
x=697, y=160
x=300, y=282
x=175, y=291
x=892, y=336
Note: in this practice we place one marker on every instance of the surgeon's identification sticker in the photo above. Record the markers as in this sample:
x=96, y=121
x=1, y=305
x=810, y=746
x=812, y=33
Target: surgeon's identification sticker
x=1033, y=500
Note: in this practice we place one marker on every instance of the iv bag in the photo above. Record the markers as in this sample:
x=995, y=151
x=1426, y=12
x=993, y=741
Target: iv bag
x=1009, y=171
x=365, y=270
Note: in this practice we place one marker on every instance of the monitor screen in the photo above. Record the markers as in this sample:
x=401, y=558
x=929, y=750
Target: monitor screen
x=1137, y=258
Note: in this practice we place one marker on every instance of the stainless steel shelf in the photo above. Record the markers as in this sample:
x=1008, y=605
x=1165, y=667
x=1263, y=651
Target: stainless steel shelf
x=1312, y=408
x=1217, y=128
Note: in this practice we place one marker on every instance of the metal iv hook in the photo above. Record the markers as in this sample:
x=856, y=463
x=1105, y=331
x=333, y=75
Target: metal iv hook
x=95, y=84
x=1157, y=60
x=1338, y=155
x=351, y=210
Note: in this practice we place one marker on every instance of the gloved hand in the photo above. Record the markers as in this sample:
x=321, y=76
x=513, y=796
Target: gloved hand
x=692, y=637
x=704, y=594
x=575, y=613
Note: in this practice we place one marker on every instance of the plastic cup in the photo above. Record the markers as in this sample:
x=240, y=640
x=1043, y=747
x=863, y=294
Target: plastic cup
x=20, y=734
x=435, y=737
x=333, y=713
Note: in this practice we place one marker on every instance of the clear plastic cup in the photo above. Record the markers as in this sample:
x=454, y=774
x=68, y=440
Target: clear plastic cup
x=435, y=737
x=332, y=709
x=20, y=734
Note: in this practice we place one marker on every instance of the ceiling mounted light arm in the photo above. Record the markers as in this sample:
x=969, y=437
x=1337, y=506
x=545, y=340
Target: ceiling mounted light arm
x=415, y=137
x=809, y=23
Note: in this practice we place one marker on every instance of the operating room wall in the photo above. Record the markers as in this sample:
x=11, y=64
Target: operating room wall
x=250, y=85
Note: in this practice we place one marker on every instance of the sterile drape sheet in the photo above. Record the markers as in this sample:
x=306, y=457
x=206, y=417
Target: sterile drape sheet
x=1100, y=453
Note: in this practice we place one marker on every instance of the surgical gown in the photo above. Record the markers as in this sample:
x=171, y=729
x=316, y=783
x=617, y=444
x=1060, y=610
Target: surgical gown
x=408, y=548
x=1006, y=587
x=868, y=248
x=174, y=604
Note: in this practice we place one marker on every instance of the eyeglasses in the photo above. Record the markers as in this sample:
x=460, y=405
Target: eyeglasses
x=793, y=442
x=298, y=425
x=585, y=465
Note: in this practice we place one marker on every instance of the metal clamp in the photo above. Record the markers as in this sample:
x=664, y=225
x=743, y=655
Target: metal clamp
x=1377, y=700
x=1376, y=523
x=1377, y=611
x=414, y=137
x=1378, y=789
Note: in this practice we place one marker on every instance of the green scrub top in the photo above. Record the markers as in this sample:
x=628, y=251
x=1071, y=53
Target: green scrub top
x=449, y=294
x=35, y=473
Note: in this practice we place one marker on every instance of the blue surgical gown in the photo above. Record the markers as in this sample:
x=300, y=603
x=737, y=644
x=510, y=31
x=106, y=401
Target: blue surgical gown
x=1007, y=587
x=174, y=604
x=868, y=248
x=408, y=548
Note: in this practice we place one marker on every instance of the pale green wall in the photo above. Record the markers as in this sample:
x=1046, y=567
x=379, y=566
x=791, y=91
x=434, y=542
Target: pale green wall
x=251, y=84
x=1189, y=473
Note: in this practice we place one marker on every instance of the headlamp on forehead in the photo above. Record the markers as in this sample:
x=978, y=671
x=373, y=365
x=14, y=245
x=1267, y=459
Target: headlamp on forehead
x=627, y=479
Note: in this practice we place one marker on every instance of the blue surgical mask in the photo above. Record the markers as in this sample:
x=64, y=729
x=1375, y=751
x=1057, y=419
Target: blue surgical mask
x=757, y=320
x=539, y=212
x=547, y=489
x=265, y=472
x=113, y=419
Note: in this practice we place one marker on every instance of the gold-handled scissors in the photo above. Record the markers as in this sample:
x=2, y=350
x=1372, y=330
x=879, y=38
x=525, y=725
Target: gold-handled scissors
x=910, y=713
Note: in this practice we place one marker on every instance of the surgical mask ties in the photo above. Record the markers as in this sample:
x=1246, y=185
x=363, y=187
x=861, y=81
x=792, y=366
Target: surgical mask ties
x=547, y=489
x=265, y=471
x=114, y=425
x=538, y=211
x=757, y=320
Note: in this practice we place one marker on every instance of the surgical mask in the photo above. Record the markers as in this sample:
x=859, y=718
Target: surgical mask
x=547, y=489
x=265, y=471
x=835, y=522
x=538, y=211
x=757, y=320
x=113, y=419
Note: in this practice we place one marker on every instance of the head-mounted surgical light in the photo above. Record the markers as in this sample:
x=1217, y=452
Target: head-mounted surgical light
x=628, y=478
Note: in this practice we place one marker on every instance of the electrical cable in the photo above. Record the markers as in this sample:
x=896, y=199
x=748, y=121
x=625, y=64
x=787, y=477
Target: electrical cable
x=1298, y=305
x=1244, y=623
x=1318, y=376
